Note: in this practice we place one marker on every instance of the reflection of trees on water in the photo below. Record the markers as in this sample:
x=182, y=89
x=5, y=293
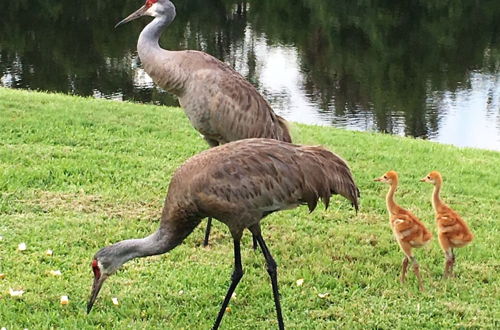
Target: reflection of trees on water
x=376, y=61
x=385, y=55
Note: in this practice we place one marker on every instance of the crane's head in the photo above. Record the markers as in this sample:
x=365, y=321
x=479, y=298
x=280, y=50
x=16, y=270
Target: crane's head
x=106, y=262
x=388, y=177
x=153, y=8
x=433, y=177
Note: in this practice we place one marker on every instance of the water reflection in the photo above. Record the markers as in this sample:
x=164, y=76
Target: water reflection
x=427, y=69
x=472, y=114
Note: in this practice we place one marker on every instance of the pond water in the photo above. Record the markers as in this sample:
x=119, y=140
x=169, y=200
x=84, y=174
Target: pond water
x=428, y=69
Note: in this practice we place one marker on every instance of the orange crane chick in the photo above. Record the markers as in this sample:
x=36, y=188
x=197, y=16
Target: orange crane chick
x=409, y=231
x=453, y=232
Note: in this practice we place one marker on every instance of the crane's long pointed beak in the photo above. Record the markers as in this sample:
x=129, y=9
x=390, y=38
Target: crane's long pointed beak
x=96, y=287
x=377, y=179
x=136, y=14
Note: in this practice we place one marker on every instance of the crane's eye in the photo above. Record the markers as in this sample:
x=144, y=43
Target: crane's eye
x=385, y=176
x=428, y=177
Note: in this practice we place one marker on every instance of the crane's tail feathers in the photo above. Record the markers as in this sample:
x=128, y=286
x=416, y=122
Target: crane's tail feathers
x=356, y=203
x=355, y=200
x=327, y=174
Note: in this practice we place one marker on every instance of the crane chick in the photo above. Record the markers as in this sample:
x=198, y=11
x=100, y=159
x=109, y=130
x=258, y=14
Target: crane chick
x=453, y=231
x=239, y=184
x=408, y=230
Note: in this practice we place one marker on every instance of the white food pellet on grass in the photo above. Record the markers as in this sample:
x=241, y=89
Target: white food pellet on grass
x=22, y=247
x=15, y=293
x=64, y=300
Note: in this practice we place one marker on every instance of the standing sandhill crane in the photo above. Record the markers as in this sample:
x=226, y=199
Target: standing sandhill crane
x=453, y=231
x=409, y=231
x=218, y=101
x=239, y=184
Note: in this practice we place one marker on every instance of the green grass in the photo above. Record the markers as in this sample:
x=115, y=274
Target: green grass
x=77, y=174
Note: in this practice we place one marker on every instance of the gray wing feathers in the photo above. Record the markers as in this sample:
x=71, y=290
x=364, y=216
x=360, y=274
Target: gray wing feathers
x=269, y=175
x=247, y=114
x=240, y=110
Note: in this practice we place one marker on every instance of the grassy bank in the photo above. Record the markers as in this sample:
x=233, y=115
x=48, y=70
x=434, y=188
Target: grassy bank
x=77, y=174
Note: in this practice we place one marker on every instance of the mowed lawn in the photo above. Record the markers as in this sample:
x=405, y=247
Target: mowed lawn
x=77, y=174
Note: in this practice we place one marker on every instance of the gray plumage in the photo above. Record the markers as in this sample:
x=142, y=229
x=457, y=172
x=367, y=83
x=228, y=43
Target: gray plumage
x=218, y=101
x=256, y=176
x=239, y=184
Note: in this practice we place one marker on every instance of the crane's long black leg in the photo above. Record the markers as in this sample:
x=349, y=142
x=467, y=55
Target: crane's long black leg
x=235, y=279
x=272, y=270
x=254, y=241
x=207, y=231
x=211, y=143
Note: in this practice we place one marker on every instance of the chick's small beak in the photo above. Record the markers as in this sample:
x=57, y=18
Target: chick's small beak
x=136, y=14
x=377, y=179
x=96, y=287
x=423, y=180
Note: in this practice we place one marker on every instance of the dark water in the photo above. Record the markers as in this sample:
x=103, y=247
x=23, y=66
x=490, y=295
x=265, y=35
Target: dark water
x=429, y=69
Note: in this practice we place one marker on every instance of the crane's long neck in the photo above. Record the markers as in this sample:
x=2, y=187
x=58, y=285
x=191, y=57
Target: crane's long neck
x=392, y=207
x=149, y=38
x=437, y=203
x=168, y=236
x=157, y=243
x=161, y=65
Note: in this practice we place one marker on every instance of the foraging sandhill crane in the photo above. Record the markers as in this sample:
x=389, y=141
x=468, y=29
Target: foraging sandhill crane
x=218, y=101
x=453, y=231
x=239, y=184
x=409, y=231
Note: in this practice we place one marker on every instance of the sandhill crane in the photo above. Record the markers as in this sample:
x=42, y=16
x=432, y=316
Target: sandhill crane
x=453, y=231
x=239, y=184
x=218, y=101
x=409, y=231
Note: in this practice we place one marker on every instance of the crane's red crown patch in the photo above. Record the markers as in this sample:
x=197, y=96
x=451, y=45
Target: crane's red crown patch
x=95, y=269
x=149, y=3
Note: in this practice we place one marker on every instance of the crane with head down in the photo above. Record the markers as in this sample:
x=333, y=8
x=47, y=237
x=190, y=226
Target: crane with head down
x=239, y=184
